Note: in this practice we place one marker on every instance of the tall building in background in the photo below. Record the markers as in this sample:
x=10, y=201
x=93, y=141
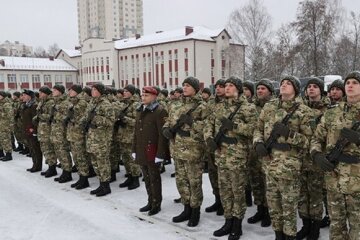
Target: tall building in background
x=109, y=19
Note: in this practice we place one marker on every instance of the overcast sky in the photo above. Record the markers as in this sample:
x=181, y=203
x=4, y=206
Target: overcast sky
x=44, y=22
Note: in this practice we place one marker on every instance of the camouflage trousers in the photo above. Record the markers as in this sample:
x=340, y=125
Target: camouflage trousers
x=152, y=180
x=48, y=151
x=257, y=180
x=115, y=154
x=101, y=163
x=80, y=157
x=61, y=146
x=232, y=192
x=283, y=197
x=188, y=176
x=131, y=167
x=5, y=141
x=311, y=194
x=344, y=208
x=213, y=174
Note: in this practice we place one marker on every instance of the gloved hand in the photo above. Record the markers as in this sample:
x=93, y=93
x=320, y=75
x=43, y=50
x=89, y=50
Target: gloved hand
x=320, y=159
x=281, y=129
x=261, y=149
x=227, y=124
x=211, y=144
x=159, y=162
x=186, y=119
x=167, y=133
x=351, y=135
x=66, y=121
x=133, y=155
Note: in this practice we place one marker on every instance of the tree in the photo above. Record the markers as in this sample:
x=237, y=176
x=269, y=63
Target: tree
x=53, y=49
x=40, y=52
x=355, y=20
x=251, y=25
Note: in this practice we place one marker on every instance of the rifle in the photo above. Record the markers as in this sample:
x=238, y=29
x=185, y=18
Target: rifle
x=336, y=152
x=90, y=117
x=221, y=134
x=273, y=137
x=119, y=118
x=52, y=114
x=69, y=116
x=179, y=124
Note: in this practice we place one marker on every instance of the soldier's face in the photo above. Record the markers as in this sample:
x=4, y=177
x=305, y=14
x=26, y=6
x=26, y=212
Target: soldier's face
x=26, y=98
x=188, y=90
x=231, y=91
x=352, y=88
x=205, y=96
x=177, y=95
x=247, y=92
x=127, y=94
x=95, y=92
x=313, y=91
x=56, y=92
x=262, y=92
x=336, y=93
x=147, y=98
x=287, y=89
x=42, y=95
x=220, y=90
x=14, y=97
x=72, y=93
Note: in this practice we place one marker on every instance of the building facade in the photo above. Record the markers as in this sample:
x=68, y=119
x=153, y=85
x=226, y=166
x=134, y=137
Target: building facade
x=16, y=49
x=109, y=19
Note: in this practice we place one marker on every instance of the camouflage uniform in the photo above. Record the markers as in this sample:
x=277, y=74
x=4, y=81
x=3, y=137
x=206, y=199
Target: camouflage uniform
x=282, y=168
x=6, y=124
x=343, y=185
x=115, y=152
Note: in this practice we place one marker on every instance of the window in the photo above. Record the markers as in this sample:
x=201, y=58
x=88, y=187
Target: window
x=23, y=78
x=47, y=78
x=36, y=78
x=11, y=78
x=58, y=79
x=2, y=78
x=212, y=53
x=222, y=54
x=107, y=61
x=68, y=78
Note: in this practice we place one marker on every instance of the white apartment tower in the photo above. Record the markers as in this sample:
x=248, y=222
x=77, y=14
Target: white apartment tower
x=109, y=19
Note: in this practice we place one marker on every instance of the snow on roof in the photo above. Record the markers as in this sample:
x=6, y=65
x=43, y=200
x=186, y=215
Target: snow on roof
x=72, y=52
x=25, y=63
x=199, y=33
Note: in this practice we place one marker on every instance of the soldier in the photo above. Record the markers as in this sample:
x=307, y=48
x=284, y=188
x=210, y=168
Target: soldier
x=76, y=136
x=227, y=133
x=58, y=132
x=98, y=123
x=215, y=103
x=30, y=130
x=337, y=91
x=17, y=103
x=126, y=120
x=311, y=178
x=248, y=87
x=264, y=93
x=149, y=146
x=6, y=126
x=184, y=128
x=206, y=94
x=335, y=148
x=178, y=93
x=171, y=96
x=282, y=136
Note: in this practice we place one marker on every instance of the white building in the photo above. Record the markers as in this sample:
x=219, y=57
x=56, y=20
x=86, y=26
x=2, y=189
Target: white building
x=18, y=73
x=15, y=49
x=109, y=19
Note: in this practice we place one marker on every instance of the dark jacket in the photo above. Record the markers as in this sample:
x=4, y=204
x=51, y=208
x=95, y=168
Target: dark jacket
x=27, y=114
x=149, y=143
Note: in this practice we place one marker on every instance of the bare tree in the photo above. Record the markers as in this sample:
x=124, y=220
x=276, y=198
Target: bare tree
x=40, y=52
x=53, y=49
x=355, y=20
x=251, y=25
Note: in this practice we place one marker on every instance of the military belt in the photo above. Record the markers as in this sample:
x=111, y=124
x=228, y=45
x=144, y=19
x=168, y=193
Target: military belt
x=229, y=140
x=346, y=158
x=281, y=146
x=183, y=133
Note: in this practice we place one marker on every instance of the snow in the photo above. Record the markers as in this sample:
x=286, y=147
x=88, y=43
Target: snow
x=71, y=52
x=35, y=208
x=25, y=63
x=199, y=33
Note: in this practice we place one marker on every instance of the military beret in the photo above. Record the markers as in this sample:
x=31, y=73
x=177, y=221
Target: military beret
x=157, y=89
x=150, y=90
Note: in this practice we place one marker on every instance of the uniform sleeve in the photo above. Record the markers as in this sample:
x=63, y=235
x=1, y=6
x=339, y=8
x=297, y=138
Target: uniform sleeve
x=104, y=116
x=199, y=122
x=318, y=140
x=259, y=127
x=130, y=116
x=209, y=127
x=245, y=124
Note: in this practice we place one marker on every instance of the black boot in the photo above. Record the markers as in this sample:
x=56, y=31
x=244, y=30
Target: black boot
x=92, y=172
x=145, y=208
x=325, y=222
x=19, y=148
x=172, y=175
x=126, y=183
x=279, y=235
x=248, y=197
x=65, y=177
x=266, y=221
x=105, y=190
x=77, y=183
x=236, y=230
x=51, y=171
x=2, y=155
x=259, y=215
x=287, y=237
x=154, y=210
x=113, y=176
x=177, y=200
x=25, y=151
x=8, y=157
x=225, y=229
x=194, y=217
x=134, y=183
x=305, y=230
x=84, y=183
x=74, y=169
x=215, y=206
x=95, y=191
x=314, y=230
x=184, y=215
x=220, y=210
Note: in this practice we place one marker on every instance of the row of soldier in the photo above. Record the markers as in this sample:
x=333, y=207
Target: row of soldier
x=243, y=137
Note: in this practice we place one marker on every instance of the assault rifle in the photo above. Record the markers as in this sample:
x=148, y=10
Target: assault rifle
x=336, y=153
x=52, y=114
x=273, y=137
x=90, y=117
x=69, y=116
x=119, y=120
x=177, y=127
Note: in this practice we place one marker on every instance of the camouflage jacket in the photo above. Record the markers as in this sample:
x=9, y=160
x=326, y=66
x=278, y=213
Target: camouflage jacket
x=42, y=117
x=60, y=109
x=126, y=130
x=76, y=111
x=6, y=115
x=192, y=147
x=326, y=135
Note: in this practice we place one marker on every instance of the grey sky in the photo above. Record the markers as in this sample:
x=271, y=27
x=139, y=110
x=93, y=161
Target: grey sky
x=44, y=22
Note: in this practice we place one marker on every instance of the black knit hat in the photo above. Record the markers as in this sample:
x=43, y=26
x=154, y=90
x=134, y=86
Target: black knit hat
x=130, y=88
x=172, y=92
x=178, y=90
x=237, y=82
x=294, y=81
x=87, y=90
x=193, y=82
x=137, y=91
x=220, y=82
x=165, y=92
x=29, y=93
x=317, y=81
x=207, y=91
x=339, y=84
x=3, y=94
x=355, y=75
x=8, y=94
x=16, y=94
x=77, y=88
x=60, y=88
x=250, y=86
x=120, y=90
x=45, y=89
x=100, y=87
x=267, y=83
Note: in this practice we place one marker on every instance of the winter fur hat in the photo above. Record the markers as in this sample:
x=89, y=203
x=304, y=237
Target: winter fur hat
x=45, y=89
x=193, y=82
x=267, y=83
x=294, y=81
x=318, y=82
x=237, y=82
x=250, y=86
x=60, y=88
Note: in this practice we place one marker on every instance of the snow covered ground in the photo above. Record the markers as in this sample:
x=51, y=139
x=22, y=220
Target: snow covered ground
x=35, y=208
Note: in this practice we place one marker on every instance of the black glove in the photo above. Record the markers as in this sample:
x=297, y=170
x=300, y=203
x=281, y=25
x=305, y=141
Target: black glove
x=168, y=134
x=322, y=162
x=261, y=149
x=281, y=129
x=186, y=119
x=66, y=121
x=227, y=124
x=211, y=144
x=351, y=135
